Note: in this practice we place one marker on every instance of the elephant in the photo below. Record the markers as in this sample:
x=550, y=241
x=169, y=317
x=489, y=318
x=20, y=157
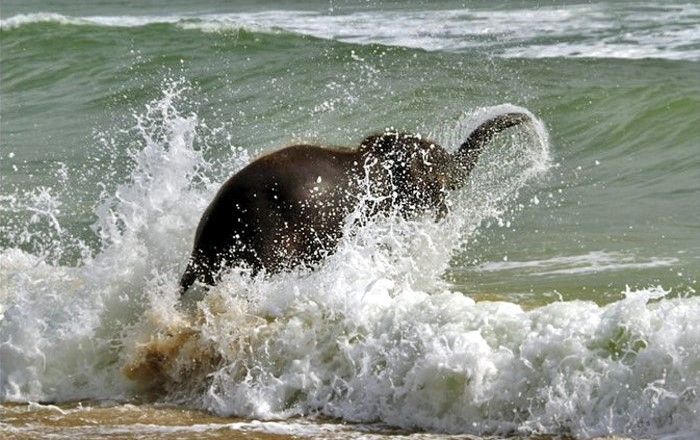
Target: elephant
x=288, y=208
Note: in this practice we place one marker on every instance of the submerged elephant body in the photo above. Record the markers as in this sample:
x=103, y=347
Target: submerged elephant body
x=288, y=208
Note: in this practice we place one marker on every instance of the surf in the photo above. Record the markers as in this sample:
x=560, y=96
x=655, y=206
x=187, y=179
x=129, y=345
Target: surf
x=373, y=335
x=572, y=31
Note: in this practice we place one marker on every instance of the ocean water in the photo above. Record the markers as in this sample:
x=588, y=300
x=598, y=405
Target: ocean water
x=557, y=298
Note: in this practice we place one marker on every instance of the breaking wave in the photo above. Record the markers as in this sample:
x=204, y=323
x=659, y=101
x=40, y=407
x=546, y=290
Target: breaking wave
x=628, y=31
x=372, y=335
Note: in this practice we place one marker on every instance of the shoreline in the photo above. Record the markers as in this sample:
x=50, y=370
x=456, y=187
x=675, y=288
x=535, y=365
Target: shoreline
x=111, y=420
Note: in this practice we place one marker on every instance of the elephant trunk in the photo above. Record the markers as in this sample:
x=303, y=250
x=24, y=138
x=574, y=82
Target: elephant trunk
x=468, y=153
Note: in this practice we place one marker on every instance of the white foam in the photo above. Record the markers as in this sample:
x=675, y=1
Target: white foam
x=20, y=20
x=372, y=335
x=592, y=262
x=625, y=30
x=59, y=321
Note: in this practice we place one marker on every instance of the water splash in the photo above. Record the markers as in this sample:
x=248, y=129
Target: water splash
x=371, y=335
x=62, y=325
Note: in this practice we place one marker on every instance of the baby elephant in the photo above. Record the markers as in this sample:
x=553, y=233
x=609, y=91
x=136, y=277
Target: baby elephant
x=288, y=208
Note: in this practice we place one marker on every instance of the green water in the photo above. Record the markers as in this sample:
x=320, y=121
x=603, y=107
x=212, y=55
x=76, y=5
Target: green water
x=105, y=108
x=624, y=133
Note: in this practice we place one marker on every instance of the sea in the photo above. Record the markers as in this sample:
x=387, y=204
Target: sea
x=558, y=298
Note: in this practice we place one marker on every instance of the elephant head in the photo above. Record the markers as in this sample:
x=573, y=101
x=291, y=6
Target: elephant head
x=407, y=172
x=414, y=174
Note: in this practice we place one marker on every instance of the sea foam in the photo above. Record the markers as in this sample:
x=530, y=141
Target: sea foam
x=628, y=31
x=374, y=334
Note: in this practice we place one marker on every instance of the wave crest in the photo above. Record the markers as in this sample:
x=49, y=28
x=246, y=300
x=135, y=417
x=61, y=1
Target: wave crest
x=570, y=31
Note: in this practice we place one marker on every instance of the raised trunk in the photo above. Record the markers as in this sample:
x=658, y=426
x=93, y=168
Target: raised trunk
x=468, y=153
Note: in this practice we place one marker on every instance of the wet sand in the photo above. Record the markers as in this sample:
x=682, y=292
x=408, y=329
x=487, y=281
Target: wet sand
x=111, y=420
